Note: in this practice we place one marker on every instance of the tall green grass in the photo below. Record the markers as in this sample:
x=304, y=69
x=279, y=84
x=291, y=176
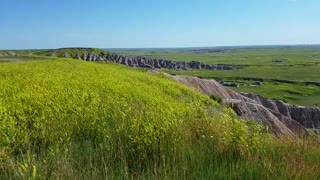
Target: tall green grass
x=68, y=119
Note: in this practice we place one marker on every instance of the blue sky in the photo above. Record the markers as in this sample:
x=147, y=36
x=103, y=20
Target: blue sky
x=157, y=23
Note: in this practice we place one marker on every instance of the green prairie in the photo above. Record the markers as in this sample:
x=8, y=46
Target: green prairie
x=297, y=67
x=70, y=119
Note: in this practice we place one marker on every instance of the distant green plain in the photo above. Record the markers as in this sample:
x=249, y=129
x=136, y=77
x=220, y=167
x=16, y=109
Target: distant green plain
x=300, y=66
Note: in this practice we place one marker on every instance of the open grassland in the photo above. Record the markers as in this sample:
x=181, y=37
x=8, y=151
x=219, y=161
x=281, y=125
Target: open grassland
x=308, y=95
x=297, y=64
x=69, y=119
x=295, y=92
x=295, y=74
x=235, y=56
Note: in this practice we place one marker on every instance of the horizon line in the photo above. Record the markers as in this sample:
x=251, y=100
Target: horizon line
x=173, y=47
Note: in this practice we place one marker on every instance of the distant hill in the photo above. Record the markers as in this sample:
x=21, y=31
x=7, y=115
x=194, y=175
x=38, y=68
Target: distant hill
x=94, y=54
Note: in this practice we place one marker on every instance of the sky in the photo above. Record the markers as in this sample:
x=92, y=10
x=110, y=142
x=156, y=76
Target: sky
x=42, y=24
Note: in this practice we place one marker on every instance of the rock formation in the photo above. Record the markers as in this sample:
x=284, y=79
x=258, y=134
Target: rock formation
x=309, y=117
x=96, y=55
x=162, y=63
x=279, y=117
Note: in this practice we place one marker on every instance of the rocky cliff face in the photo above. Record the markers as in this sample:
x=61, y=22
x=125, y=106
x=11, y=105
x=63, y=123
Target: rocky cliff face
x=97, y=55
x=162, y=63
x=279, y=117
x=309, y=117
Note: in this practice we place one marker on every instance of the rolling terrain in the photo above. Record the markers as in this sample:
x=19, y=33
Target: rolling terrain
x=63, y=118
x=289, y=73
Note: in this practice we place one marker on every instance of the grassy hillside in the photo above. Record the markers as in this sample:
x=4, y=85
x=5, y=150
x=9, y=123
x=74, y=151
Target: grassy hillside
x=68, y=119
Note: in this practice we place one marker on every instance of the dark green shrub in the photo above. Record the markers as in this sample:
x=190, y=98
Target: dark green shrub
x=216, y=98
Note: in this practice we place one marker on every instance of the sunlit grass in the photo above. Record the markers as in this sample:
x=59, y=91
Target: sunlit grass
x=69, y=119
